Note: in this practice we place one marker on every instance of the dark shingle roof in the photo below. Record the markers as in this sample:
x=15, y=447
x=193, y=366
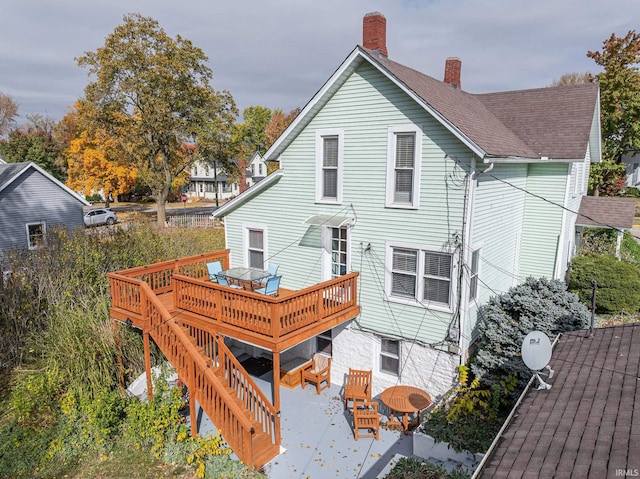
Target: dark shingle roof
x=552, y=122
x=607, y=211
x=9, y=170
x=588, y=424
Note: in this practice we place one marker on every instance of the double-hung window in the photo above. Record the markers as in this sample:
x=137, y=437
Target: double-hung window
x=390, y=356
x=473, y=275
x=35, y=234
x=255, y=242
x=421, y=275
x=403, y=166
x=329, y=145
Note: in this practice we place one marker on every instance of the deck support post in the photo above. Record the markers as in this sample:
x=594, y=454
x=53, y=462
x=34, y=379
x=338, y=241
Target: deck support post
x=276, y=381
x=147, y=365
x=118, y=339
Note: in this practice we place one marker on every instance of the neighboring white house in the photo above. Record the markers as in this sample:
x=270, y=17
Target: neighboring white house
x=632, y=166
x=205, y=178
x=32, y=200
x=439, y=199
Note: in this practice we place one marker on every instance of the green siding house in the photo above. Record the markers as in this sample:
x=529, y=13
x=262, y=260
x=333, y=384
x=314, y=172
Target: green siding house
x=439, y=198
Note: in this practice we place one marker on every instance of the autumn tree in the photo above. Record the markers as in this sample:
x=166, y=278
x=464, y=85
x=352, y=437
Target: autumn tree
x=619, y=106
x=94, y=160
x=8, y=114
x=150, y=92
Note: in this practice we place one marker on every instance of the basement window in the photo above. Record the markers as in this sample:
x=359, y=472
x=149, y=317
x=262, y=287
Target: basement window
x=390, y=356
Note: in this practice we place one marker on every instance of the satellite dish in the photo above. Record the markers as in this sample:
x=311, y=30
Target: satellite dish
x=536, y=354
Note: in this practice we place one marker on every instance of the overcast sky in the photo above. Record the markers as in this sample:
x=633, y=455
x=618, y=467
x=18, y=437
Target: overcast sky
x=278, y=53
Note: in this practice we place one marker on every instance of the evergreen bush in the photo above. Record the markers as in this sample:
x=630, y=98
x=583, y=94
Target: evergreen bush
x=537, y=304
x=618, y=283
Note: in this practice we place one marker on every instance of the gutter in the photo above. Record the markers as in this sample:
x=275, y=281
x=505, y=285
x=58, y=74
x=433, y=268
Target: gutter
x=507, y=422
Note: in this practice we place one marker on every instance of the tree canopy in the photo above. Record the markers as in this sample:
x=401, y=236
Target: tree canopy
x=619, y=110
x=8, y=113
x=35, y=141
x=152, y=93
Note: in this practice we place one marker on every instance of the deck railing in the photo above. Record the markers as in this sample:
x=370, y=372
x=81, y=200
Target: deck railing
x=158, y=275
x=265, y=315
x=203, y=378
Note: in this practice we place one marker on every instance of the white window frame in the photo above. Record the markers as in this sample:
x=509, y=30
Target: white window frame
x=246, y=249
x=391, y=165
x=320, y=136
x=474, y=275
x=418, y=299
x=44, y=233
x=385, y=354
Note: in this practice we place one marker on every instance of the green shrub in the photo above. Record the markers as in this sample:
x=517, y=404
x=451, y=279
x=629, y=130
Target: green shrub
x=536, y=304
x=618, y=283
x=412, y=468
x=470, y=415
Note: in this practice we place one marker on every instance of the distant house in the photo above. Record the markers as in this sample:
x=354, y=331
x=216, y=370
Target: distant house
x=205, y=179
x=632, y=167
x=587, y=425
x=437, y=197
x=31, y=200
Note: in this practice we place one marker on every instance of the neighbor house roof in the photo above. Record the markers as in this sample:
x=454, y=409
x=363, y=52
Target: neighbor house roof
x=9, y=172
x=607, y=212
x=588, y=424
x=531, y=125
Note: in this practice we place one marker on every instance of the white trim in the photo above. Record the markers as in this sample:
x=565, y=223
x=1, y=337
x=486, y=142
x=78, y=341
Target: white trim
x=563, y=224
x=353, y=60
x=420, y=301
x=248, y=193
x=265, y=243
x=44, y=232
x=46, y=175
x=398, y=357
x=392, y=133
x=320, y=135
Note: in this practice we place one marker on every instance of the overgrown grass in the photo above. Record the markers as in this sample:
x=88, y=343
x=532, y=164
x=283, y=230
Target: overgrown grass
x=64, y=413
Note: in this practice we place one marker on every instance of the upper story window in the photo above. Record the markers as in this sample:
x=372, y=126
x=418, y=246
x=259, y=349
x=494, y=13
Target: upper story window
x=255, y=247
x=329, y=146
x=473, y=275
x=404, y=152
x=421, y=275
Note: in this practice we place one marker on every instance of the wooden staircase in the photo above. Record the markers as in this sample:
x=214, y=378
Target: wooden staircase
x=217, y=381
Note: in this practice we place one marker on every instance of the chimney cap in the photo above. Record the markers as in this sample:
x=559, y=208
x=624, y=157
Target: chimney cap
x=374, y=14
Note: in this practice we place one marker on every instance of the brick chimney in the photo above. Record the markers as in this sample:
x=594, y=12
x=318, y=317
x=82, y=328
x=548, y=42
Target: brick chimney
x=374, y=32
x=452, y=68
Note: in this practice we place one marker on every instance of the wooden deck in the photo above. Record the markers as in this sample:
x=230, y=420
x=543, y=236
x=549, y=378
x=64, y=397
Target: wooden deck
x=188, y=316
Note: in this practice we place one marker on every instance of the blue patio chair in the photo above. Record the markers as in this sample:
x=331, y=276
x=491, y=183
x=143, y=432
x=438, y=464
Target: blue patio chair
x=224, y=282
x=213, y=269
x=272, y=270
x=272, y=286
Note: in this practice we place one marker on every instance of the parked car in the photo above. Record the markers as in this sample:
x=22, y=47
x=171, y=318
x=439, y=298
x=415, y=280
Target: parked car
x=100, y=216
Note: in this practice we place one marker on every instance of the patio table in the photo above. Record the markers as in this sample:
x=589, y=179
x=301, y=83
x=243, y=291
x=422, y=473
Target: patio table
x=245, y=275
x=405, y=400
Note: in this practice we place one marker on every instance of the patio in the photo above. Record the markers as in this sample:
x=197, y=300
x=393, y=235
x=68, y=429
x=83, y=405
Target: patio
x=318, y=441
x=317, y=437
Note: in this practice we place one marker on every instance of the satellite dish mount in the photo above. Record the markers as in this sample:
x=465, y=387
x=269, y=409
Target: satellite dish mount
x=536, y=354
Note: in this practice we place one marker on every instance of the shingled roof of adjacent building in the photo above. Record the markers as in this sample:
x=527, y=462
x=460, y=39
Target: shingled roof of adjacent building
x=588, y=424
x=544, y=122
x=607, y=211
